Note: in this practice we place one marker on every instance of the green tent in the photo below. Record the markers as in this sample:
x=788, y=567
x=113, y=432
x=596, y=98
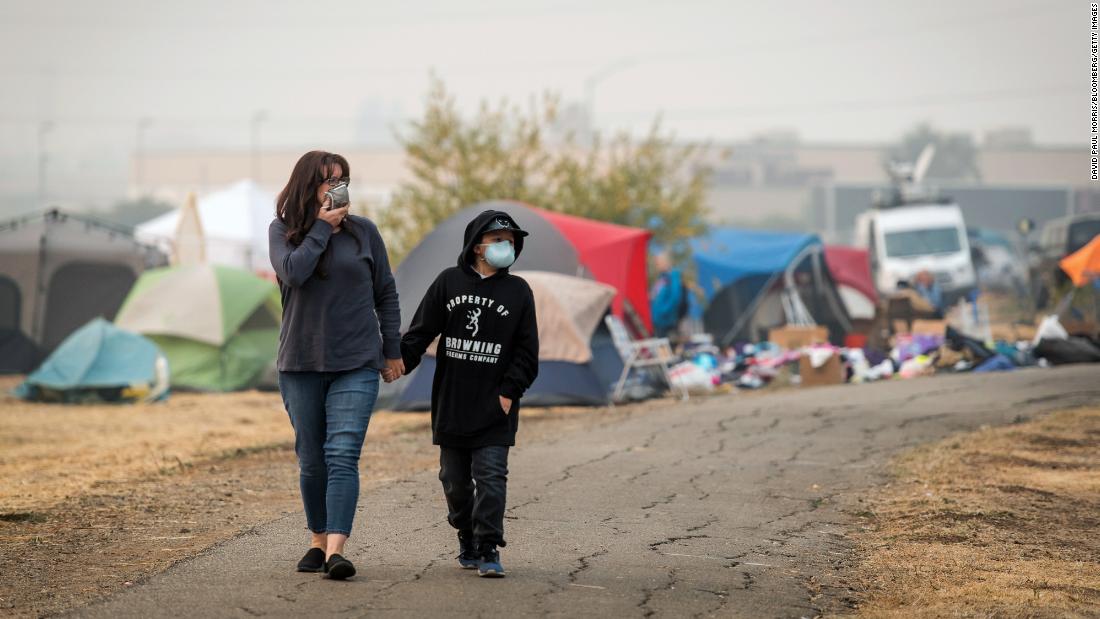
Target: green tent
x=218, y=326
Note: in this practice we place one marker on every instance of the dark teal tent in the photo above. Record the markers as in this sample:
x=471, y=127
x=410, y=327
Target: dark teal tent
x=99, y=363
x=742, y=271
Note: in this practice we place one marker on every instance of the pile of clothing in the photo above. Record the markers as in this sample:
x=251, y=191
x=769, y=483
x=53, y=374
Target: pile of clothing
x=1054, y=345
x=745, y=365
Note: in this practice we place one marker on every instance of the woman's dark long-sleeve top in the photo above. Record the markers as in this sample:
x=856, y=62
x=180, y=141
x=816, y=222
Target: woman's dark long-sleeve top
x=350, y=318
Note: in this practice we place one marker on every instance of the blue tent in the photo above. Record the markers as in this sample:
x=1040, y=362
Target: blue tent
x=737, y=268
x=99, y=363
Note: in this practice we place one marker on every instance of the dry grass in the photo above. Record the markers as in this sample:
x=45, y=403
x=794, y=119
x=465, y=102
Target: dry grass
x=1002, y=522
x=94, y=498
x=52, y=452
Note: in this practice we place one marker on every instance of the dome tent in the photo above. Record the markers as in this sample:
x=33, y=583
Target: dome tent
x=745, y=273
x=557, y=244
x=57, y=272
x=605, y=252
x=218, y=326
x=99, y=363
x=851, y=270
x=577, y=360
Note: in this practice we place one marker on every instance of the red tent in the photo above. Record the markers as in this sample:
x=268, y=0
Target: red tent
x=851, y=267
x=616, y=255
x=609, y=253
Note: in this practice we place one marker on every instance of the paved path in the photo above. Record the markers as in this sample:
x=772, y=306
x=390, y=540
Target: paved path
x=733, y=506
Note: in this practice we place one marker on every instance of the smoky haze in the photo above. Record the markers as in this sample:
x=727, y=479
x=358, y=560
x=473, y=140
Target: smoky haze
x=89, y=83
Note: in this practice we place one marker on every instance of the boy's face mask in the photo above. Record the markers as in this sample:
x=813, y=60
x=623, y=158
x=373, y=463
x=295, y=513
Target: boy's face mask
x=500, y=255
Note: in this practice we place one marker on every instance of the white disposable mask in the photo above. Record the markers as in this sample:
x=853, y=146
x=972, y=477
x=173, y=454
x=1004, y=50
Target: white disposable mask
x=500, y=255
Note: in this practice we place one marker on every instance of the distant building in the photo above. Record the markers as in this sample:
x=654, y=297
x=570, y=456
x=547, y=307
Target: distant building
x=771, y=181
x=821, y=187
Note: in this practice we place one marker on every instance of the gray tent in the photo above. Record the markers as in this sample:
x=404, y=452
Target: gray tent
x=439, y=249
x=549, y=251
x=57, y=272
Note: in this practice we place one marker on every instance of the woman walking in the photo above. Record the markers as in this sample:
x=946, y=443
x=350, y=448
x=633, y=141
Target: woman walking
x=340, y=332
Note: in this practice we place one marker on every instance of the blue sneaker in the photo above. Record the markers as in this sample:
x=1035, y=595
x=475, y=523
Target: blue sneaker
x=468, y=556
x=490, y=566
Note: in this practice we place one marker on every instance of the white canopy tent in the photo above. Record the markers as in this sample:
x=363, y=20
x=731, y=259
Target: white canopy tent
x=234, y=223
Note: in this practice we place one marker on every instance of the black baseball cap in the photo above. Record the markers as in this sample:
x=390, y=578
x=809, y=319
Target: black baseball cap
x=503, y=222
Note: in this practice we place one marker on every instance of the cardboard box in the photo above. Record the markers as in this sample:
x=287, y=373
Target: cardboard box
x=929, y=327
x=830, y=373
x=791, y=337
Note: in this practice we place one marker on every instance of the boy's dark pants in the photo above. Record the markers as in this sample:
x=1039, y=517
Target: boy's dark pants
x=475, y=483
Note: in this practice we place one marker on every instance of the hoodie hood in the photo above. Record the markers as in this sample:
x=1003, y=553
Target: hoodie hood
x=478, y=227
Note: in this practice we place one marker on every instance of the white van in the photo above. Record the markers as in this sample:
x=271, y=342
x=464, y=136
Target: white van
x=907, y=239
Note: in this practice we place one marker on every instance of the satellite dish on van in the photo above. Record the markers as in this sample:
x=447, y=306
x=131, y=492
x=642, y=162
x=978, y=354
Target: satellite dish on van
x=907, y=179
x=923, y=162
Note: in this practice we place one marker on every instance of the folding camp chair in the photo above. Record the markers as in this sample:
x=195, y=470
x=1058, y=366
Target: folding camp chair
x=649, y=353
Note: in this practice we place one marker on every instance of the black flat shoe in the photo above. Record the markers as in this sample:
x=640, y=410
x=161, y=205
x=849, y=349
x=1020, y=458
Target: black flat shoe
x=314, y=561
x=339, y=568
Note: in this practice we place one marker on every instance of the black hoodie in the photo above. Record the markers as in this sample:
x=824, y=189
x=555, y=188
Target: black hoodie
x=489, y=347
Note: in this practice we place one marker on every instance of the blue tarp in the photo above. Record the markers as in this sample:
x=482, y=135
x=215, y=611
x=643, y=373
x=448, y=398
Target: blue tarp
x=99, y=361
x=728, y=255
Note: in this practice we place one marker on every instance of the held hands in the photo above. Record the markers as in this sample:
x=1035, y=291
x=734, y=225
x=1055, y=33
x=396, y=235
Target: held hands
x=395, y=368
x=506, y=404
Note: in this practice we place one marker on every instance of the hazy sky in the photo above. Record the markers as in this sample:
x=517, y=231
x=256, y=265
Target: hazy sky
x=331, y=73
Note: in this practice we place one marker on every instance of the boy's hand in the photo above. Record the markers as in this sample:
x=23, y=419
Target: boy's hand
x=506, y=404
x=395, y=368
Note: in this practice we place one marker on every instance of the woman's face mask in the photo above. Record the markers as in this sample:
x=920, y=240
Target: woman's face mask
x=500, y=255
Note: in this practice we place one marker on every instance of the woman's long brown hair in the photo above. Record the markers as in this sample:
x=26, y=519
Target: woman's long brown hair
x=297, y=203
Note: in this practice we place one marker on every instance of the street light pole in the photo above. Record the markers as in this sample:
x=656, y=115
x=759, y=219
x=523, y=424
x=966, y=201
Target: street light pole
x=258, y=117
x=593, y=80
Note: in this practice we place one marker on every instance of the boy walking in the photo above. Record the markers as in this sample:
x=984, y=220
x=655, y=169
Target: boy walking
x=486, y=358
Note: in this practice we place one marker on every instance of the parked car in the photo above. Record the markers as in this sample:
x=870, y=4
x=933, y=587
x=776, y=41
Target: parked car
x=998, y=261
x=1058, y=239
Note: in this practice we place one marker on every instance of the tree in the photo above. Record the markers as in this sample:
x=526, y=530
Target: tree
x=956, y=156
x=504, y=152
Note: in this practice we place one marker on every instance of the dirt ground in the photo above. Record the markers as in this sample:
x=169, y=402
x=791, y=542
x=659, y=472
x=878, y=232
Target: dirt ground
x=997, y=523
x=95, y=498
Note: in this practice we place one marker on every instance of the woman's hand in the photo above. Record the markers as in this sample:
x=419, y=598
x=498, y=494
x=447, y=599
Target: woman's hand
x=506, y=404
x=395, y=368
x=334, y=217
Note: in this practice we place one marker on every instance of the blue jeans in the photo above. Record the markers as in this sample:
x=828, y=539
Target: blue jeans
x=475, y=483
x=330, y=412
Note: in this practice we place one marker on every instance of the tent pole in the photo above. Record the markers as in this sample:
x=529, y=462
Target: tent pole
x=830, y=293
x=40, y=285
x=804, y=317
